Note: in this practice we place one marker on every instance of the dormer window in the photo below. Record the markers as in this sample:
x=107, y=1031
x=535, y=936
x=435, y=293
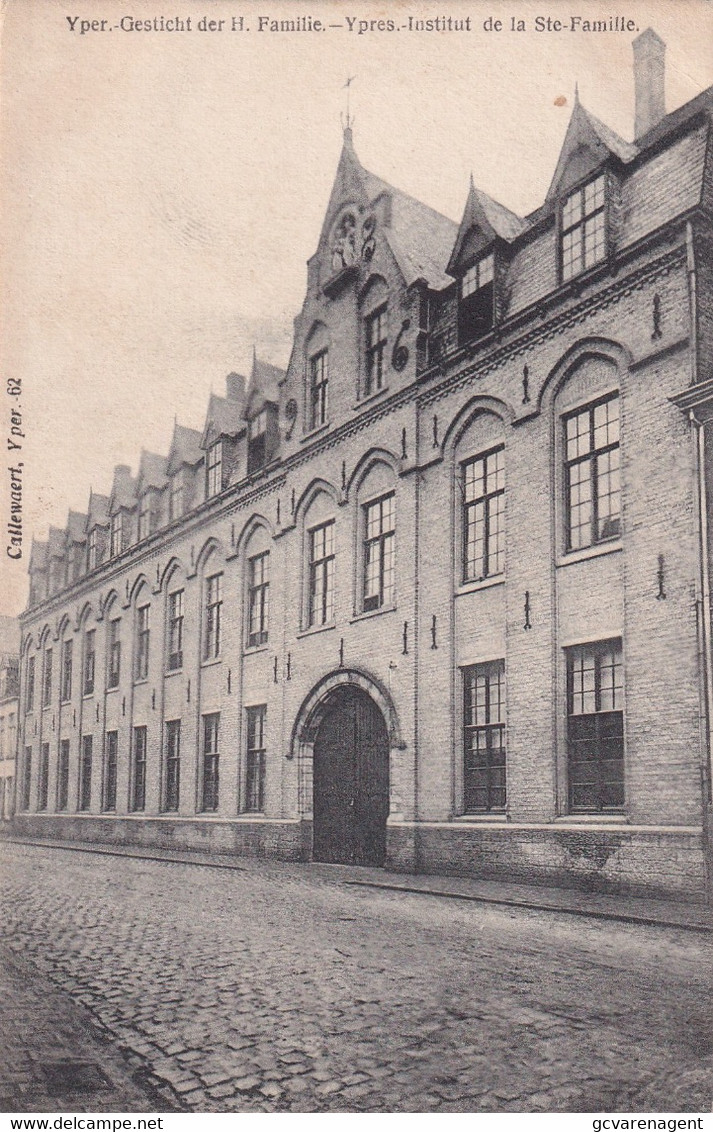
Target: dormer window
x=144, y=517
x=175, y=498
x=257, y=441
x=117, y=534
x=376, y=339
x=476, y=306
x=319, y=389
x=583, y=234
x=214, y=470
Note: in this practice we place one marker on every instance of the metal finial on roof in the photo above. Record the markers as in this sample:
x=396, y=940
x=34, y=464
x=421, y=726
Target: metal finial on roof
x=347, y=118
x=576, y=93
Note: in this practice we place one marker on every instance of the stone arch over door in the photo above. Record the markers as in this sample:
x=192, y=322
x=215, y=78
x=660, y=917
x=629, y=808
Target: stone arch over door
x=343, y=737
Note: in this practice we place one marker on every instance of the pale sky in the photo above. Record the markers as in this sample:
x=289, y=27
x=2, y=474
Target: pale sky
x=163, y=191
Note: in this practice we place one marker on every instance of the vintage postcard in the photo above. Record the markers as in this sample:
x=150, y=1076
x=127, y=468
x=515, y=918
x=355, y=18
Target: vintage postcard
x=356, y=678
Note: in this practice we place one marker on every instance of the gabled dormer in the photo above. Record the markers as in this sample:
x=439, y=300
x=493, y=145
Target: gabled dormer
x=583, y=191
x=97, y=530
x=56, y=559
x=185, y=459
x=75, y=543
x=149, y=489
x=37, y=570
x=122, y=508
x=479, y=256
x=261, y=414
x=225, y=423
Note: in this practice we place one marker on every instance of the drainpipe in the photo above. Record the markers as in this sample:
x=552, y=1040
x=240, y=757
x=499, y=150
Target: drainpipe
x=704, y=563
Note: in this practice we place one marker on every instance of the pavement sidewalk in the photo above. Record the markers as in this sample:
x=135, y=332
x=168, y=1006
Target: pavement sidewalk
x=53, y=1058
x=570, y=901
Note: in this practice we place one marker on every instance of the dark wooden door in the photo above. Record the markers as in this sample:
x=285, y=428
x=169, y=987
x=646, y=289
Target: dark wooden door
x=351, y=782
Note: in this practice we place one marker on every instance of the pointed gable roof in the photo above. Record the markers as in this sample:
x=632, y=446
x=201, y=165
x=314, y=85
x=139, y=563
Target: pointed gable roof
x=264, y=386
x=98, y=511
x=587, y=134
x=492, y=218
x=55, y=542
x=76, y=526
x=185, y=449
x=152, y=471
x=419, y=237
x=123, y=491
x=38, y=556
x=225, y=418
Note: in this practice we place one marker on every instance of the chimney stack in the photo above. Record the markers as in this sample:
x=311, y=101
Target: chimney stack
x=649, y=79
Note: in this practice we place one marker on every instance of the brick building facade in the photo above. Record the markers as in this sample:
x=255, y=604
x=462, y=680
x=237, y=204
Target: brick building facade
x=437, y=595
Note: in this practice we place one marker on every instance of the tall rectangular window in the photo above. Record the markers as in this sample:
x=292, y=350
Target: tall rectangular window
x=138, y=777
x=175, y=496
x=47, y=679
x=175, y=630
x=484, y=737
x=214, y=470
x=63, y=775
x=44, y=777
x=67, y=671
x=583, y=233
x=484, y=516
x=113, y=653
x=319, y=389
x=257, y=441
x=89, y=661
x=592, y=460
x=144, y=517
x=85, y=773
x=376, y=339
x=142, y=642
x=213, y=607
x=172, y=780
x=211, y=780
x=595, y=726
x=476, y=309
x=255, y=771
x=321, y=574
x=111, y=759
x=379, y=547
x=26, y=778
x=258, y=598
x=30, y=689
x=116, y=538
x=92, y=549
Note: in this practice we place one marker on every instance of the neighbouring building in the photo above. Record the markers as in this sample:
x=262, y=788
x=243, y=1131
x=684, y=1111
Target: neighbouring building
x=9, y=692
x=438, y=595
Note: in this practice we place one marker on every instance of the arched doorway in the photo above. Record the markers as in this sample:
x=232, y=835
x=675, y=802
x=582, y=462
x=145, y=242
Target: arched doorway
x=351, y=780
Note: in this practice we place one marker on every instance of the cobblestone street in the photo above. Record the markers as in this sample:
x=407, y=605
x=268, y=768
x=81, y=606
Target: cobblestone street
x=279, y=987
